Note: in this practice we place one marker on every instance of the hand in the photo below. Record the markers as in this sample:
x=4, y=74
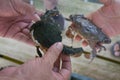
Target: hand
x=108, y=17
x=15, y=19
x=45, y=68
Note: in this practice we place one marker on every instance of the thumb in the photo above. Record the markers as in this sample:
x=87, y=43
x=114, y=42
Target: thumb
x=53, y=53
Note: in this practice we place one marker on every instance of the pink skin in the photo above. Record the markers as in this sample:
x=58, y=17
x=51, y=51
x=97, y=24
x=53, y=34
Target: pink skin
x=108, y=17
x=117, y=49
x=15, y=20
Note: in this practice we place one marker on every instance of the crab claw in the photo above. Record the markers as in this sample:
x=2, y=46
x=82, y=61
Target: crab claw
x=102, y=47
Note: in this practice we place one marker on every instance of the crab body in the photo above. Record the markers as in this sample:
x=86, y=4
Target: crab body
x=90, y=32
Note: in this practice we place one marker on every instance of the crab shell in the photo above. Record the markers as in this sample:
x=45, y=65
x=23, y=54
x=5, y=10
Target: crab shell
x=89, y=31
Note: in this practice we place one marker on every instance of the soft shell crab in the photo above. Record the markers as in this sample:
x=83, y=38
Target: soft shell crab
x=89, y=31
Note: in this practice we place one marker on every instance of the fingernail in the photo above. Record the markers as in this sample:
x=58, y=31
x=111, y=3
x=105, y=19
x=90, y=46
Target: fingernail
x=59, y=45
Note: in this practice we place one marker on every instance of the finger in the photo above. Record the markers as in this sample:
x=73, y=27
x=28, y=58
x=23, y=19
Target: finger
x=22, y=8
x=36, y=17
x=53, y=53
x=66, y=62
x=84, y=43
x=16, y=28
x=56, y=67
x=66, y=66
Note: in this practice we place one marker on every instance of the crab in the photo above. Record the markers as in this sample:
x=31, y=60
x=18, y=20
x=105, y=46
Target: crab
x=91, y=33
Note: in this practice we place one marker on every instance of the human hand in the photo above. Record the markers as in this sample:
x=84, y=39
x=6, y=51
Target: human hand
x=45, y=68
x=15, y=19
x=108, y=17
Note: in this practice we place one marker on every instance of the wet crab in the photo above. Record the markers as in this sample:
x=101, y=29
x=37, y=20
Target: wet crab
x=89, y=31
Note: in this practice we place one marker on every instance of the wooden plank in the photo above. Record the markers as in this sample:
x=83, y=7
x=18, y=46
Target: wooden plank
x=16, y=49
x=4, y=63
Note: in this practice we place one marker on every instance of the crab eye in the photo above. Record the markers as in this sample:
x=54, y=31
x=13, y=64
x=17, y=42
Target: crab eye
x=87, y=30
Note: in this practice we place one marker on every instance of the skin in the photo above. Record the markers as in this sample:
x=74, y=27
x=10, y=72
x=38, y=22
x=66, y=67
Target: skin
x=19, y=15
x=108, y=16
x=116, y=49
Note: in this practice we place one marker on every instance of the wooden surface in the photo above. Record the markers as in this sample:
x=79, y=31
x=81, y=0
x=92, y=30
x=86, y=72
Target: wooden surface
x=99, y=69
x=16, y=49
